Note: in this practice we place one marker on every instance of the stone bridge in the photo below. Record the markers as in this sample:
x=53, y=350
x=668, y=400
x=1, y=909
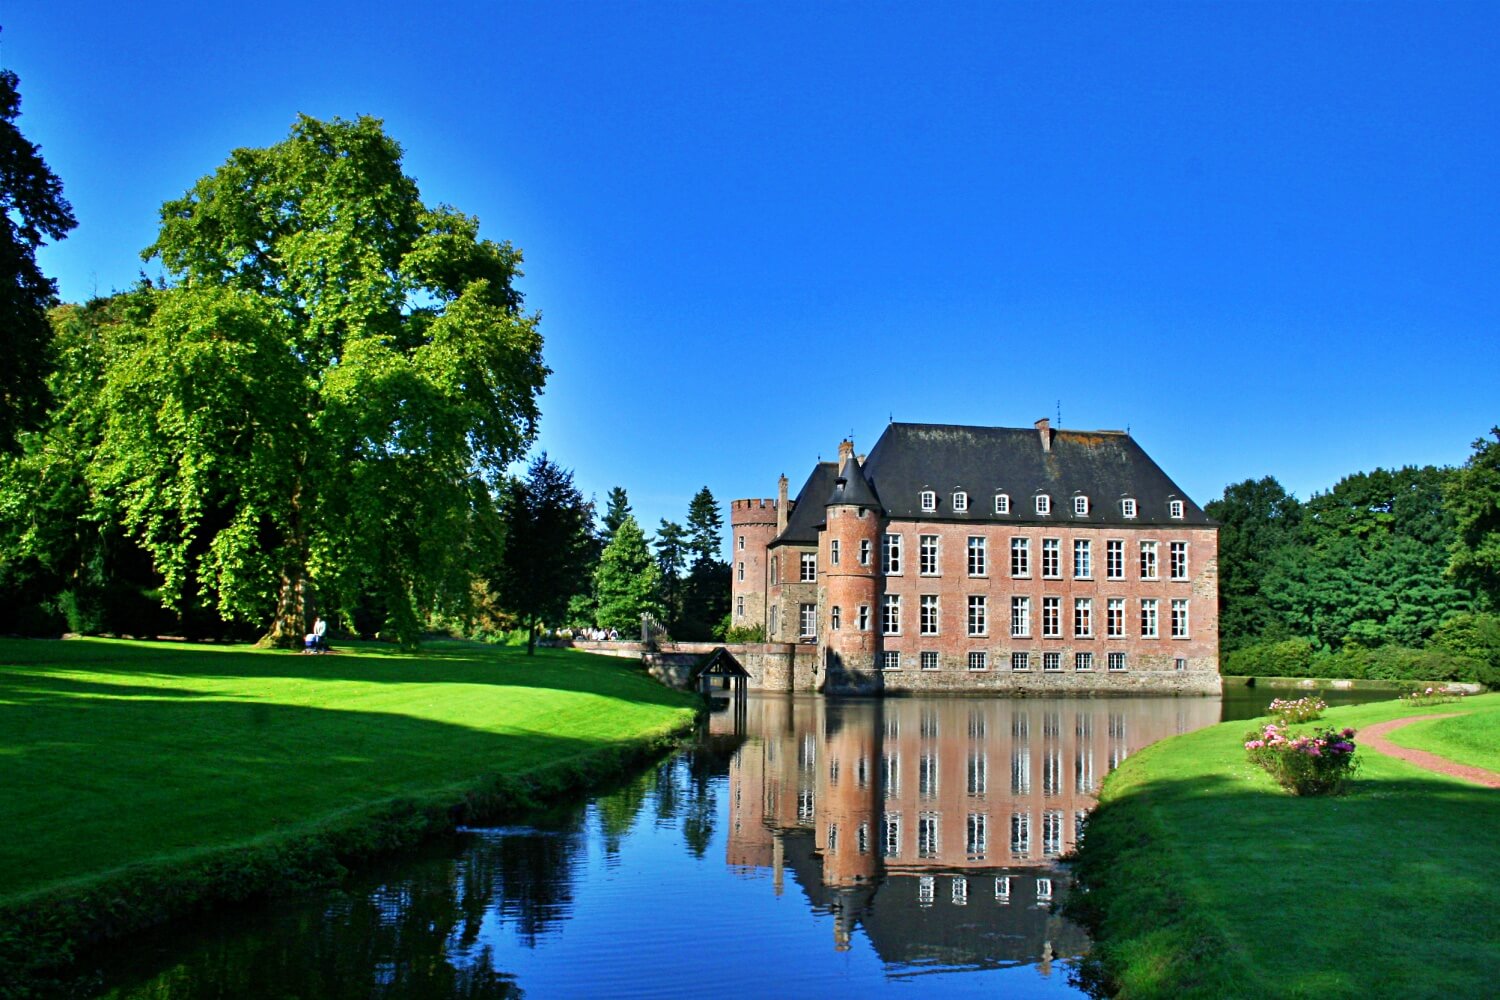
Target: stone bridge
x=773, y=666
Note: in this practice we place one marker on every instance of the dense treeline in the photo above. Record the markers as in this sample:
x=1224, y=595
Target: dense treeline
x=1390, y=574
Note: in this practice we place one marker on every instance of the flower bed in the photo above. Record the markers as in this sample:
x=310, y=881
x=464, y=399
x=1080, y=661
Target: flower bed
x=1431, y=696
x=1289, y=712
x=1316, y=764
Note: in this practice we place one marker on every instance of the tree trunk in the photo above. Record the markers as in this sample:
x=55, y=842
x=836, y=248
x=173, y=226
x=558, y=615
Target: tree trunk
x=289, y=626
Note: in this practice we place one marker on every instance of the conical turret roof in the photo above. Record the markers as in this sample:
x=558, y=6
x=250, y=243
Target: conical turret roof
x=851, y=487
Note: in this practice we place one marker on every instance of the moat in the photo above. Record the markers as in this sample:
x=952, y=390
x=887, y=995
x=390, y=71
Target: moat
x=808, y=847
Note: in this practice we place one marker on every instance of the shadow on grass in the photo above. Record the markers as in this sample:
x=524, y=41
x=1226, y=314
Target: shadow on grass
x=444, y=663
x=1383, y=891
x=94, y=781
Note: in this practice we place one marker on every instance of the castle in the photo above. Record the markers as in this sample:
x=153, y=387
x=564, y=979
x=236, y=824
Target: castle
x=970, y=559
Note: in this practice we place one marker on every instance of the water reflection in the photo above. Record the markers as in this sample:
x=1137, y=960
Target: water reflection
x=869, y=844
x=934, y=825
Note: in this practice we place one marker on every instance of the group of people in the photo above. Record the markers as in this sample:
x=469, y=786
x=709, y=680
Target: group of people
x=600, y=635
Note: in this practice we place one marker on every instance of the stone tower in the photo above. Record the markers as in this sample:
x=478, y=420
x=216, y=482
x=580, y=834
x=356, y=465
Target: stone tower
x=850, y=560
x=753, y=524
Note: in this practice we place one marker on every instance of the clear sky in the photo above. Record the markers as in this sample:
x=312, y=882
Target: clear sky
x=1265, y=238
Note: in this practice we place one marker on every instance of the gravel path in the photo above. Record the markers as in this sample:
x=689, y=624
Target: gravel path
x=1373, y=736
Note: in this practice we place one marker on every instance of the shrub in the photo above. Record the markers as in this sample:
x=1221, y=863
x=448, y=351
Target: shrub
x=1288, y=658
x=746, y=633
x=1289, y=713
x=1431, y=696
x=1304, y=765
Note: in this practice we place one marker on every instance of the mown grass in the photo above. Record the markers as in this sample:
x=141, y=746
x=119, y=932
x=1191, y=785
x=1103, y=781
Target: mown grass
x=1472, y=738
x=1206, y=880
x=119, y=754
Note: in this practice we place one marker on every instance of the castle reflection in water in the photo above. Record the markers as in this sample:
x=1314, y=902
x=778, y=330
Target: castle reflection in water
x=935, y=824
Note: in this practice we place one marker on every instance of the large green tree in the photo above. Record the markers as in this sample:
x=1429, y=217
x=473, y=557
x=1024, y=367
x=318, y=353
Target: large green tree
x=326, y=391
x=544, y=558
x=705, y=527
x=1472, y=498
x=32, y=210
x=616, y=510
x=627, y=580
x=1257, y=517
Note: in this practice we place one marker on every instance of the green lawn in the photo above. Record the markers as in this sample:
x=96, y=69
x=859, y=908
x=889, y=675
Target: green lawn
x=1207, y=880
x=1472, y=738
x=114, y=753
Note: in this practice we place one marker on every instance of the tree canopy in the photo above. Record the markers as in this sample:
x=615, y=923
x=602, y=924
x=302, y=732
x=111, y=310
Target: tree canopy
x=323, y=395
x=545, y=554
x=1473, y=498
x=32, y=211
x=627, y=582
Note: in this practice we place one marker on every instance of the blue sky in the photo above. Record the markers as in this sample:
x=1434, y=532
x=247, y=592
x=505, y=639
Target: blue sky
x=1265, y=238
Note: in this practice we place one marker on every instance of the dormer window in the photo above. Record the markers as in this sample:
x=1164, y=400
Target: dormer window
x=929, y=500
x=960, y=500
x=1080, y=506
x=1175, y=508
x=1127, y=508
x=1002, y=503
x=1043, y=504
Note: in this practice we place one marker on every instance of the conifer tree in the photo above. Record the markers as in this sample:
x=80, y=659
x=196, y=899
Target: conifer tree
x=627, y=580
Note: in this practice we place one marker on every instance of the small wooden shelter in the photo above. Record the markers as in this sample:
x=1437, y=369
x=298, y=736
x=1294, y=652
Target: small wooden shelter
x=721, y=672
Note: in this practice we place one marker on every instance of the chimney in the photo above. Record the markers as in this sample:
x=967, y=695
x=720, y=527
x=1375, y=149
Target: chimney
x=781, y=504
x=1044, y=428
x=846, y=452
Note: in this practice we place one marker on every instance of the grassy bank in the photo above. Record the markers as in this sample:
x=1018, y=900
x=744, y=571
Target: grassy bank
x=1331, y=683
x=1206, y=880
x=143, y=780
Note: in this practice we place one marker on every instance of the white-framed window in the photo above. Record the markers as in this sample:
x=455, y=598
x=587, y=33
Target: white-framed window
x=1020, y=661
x=927, y=614
x=1127, y=509
x=809, y=618
x=862, y=838
x=1051, y=662
x=1043, y=504
x=890, y=614
x=978, y=773
x=926, y=890
x=776, y=568
x=979, y=558
x=1020, y=557
x=927, y=837
x=1020, y=834
x=1179, y=618
x=1116, y=661
x=1179, y=664
x=742, y=543
x=890, y=660
x=1051, y=617
x=1002, y=503
x=833, y=838
x=890, y=835
x=1020, y=618
x=979, y=615
x=1052, y=771
x=1083, y=559
x=1148, y=618
x=890, y=563
x=960, y=501
x=927, y=555
x=1149, y=569
x=1052, y=841
x=863, y=618
x=1114, y=559
x=1002, y=890
x=864, y=552
x=1177, y=560
x=978, y=660
x=1177, y=509
x=835, y=618
x=809, y=563
x=977, y=841
x=1083, y=661
x=1051, y=558
x=739, y=607
x=929, y=501
x=890, y=774
x=1114, y=618
x=928, y=767
x=1080, y=506
x=1043, y=890
x=960, y=891
x=1083, y=617
x=833, y=552
x=929, y=659
x=740, y=572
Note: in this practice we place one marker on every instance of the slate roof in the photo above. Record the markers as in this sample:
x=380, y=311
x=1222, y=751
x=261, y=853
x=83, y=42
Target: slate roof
x=1105, y=466
x=851, y=487
x=807, y=512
